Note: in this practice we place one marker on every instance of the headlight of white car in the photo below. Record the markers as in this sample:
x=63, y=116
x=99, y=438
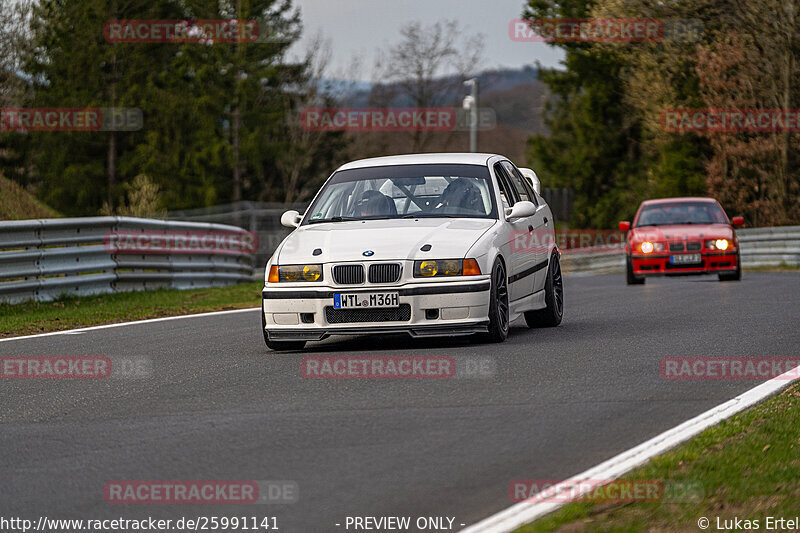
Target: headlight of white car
x=293, y=273
x=429, y=268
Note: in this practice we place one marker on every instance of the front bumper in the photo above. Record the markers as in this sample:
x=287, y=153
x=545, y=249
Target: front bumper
x=659, y=264
x=426, y=310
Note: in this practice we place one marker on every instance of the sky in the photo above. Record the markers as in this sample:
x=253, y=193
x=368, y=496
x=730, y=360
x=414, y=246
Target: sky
x=357, y=28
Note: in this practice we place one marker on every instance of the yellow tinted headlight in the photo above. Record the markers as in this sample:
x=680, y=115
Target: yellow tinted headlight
x=427, y=268
x=438, y=267
x=292, y=273
x=451, y=268
x=312, y=272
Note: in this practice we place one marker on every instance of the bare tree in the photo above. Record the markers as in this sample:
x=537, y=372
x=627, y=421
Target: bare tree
x=426, y=68
x=304, y=163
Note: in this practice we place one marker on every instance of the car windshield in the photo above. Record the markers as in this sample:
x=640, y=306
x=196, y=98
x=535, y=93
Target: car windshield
x=681, y=213
x=405, y=191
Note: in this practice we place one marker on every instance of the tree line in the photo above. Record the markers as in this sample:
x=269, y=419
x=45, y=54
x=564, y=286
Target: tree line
x=607, y=141
x=217, y=116
x=221, y=121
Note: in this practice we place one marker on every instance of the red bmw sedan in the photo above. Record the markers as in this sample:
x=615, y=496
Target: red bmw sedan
x=681, y=236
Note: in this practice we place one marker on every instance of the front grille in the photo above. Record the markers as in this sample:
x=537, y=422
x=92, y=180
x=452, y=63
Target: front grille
x=344, y=316
x=348, y=274
x=676, y=247
x=384, y=273
x=693, y=247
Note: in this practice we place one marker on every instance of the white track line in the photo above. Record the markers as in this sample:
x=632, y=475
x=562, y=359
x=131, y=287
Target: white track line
x=529, y=510
x=134, y=323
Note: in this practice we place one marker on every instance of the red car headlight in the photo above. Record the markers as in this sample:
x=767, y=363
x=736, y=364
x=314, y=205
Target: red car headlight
x=719, y=244
x=648, y=247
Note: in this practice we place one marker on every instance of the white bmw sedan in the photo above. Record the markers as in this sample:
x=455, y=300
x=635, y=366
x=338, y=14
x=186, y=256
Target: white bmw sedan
x=428, y=245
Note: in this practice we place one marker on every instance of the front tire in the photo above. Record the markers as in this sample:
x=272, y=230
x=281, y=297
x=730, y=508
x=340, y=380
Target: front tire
x=629, y=277
x=552, y=314
x=734, y=276
x=498, y=304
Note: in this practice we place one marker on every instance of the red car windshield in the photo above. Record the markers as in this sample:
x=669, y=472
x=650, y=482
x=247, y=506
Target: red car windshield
x=668, y=214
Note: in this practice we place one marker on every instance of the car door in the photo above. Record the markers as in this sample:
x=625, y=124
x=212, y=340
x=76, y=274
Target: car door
x=518, y=257
x=538, y=228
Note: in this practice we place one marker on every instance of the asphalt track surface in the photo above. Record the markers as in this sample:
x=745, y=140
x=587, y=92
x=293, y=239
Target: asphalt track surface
x=219, y=406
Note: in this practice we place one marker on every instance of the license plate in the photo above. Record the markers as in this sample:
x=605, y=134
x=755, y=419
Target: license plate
x=685, y=259
x=365, y=300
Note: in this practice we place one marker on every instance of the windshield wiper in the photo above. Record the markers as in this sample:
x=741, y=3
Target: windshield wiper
x=333, y=219
x=432, y=215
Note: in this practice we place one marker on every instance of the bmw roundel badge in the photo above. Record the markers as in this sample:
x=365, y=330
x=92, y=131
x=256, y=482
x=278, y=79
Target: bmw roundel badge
x=368, y=253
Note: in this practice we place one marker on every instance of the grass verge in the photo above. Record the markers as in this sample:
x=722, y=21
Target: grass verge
x=17, y=204
x=75, y=312
x=748, y=467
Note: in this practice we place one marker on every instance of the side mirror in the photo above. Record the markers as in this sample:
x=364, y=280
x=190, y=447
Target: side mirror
x=738, y=221
x=624, y=225
x=530, y=175
x=291, y=218
x=521, y=210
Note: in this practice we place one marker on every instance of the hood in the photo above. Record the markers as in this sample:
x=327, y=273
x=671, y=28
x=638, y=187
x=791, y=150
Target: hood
x=388, y=239
x=690, y=231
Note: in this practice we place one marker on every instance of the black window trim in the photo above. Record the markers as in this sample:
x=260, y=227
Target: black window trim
x=525, y=184
x=504, y=182
x=528, y=186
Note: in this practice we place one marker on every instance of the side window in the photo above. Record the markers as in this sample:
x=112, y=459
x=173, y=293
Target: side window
x=534, y=196
x=520, y=183
x=507, y=193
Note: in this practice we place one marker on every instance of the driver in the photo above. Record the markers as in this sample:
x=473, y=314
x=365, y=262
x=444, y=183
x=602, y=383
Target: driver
x=462, y=195
x=373, y=203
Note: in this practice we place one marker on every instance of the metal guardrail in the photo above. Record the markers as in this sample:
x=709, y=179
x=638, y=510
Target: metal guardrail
x=770, y=246
x=47, y=258
x=261, y=218
x=758, y=247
